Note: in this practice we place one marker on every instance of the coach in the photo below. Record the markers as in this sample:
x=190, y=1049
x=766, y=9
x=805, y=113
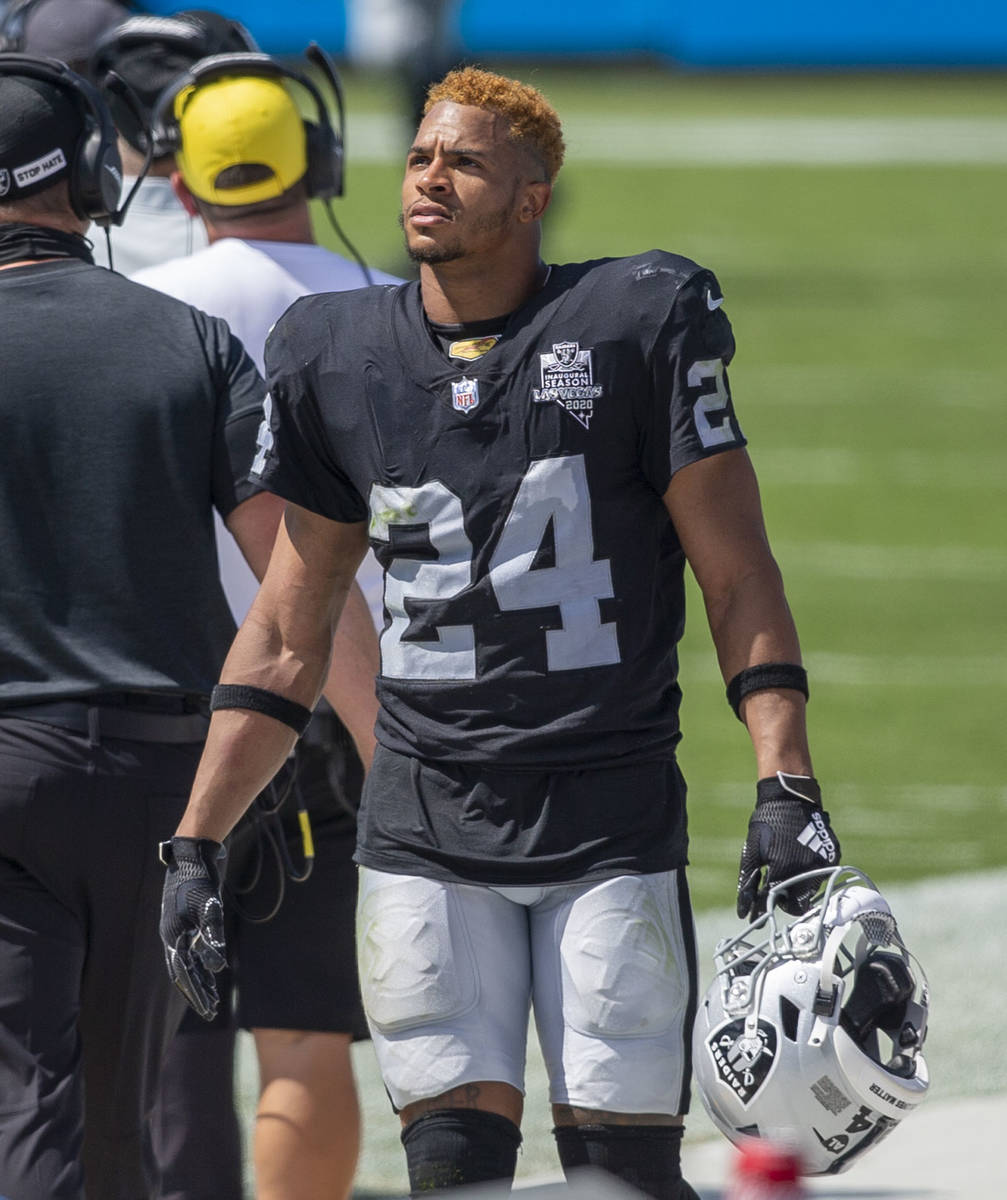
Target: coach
x=126, y=417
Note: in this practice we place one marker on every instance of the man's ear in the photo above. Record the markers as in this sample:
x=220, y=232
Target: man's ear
x=185, y=197
x=535, y=202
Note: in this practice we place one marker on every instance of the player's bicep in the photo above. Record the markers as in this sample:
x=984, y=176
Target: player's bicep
x=310, y=571
x=253, y=526
x=715, y=506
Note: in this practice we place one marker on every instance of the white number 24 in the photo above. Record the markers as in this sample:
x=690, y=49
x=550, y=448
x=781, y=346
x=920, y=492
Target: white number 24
x=553, y=490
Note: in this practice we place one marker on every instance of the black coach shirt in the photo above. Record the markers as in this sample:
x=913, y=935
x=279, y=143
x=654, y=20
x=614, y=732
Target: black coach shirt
x=534, y=583
x=125, y=418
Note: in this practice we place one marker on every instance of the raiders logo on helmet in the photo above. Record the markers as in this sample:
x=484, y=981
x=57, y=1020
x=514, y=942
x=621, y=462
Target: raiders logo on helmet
x=743, y=1058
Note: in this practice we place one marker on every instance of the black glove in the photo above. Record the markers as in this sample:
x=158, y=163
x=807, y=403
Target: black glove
x=192, y=919
x=788, y=834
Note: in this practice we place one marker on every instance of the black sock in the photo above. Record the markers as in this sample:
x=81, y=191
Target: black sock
x=647, y=1157
x=455, y=1146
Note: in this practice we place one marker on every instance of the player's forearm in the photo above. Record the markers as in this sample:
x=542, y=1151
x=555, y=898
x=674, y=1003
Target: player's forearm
x=243, y=752
x=752, y=624
x=349, y=687
x=280, y=648
x=776, y=724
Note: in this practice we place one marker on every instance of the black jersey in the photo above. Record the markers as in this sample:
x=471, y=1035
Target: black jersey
x=126, y=417
x=534, y=582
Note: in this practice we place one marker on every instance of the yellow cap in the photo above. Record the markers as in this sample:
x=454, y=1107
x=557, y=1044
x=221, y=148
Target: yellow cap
x=238, y=120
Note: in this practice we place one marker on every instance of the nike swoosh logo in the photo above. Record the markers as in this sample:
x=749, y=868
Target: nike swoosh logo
x=711, y=304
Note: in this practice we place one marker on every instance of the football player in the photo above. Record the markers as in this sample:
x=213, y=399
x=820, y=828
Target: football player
x=534, y=452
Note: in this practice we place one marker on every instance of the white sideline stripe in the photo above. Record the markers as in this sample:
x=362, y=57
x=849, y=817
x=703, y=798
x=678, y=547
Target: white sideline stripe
x=839, y=383
x=879, y=670
x=832, y=465
x=917, y=671
x=853, y=561
x=738, y=141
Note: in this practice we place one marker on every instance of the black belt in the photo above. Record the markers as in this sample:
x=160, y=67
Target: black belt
x=110, y=717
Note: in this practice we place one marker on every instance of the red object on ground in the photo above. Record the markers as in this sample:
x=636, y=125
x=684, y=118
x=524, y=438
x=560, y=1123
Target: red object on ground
x=765, y=1171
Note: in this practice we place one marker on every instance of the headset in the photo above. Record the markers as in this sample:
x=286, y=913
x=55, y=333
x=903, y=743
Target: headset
x=95, y=178
x=13, y=21
x=324, y=177
x=182, y=32
x=185, y=33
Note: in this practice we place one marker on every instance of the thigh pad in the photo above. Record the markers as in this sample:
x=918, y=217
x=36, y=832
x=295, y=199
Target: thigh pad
x=414, y=950
x=623, y=959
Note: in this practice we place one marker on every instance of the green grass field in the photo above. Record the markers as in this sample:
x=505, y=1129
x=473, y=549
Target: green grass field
x=871, y=380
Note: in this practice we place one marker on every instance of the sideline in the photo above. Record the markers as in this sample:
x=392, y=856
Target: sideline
x=741, y=141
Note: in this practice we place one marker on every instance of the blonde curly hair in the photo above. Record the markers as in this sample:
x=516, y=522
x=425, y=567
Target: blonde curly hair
x=533, y=121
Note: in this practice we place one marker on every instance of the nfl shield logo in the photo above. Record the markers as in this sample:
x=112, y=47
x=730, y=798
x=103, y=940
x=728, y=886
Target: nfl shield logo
x=465, y=395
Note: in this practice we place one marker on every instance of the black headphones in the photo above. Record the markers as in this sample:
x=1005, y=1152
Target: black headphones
x=324, y=177
x=184, y=33
x=95, y=179
x=12, y=24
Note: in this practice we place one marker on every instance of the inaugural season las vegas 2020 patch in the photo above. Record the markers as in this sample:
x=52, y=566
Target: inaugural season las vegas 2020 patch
x=568, y=380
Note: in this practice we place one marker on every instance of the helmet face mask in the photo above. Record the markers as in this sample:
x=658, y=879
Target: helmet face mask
x=811, y=1032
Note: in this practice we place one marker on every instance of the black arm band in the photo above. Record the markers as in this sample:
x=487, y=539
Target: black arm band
x=763, y=676
x=260, y=700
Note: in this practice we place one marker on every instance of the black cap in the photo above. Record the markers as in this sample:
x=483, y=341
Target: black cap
x=69, y=29
x=40, y=128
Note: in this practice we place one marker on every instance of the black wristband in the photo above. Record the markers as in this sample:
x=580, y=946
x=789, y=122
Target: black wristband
x=762, y=677
x=261, y=700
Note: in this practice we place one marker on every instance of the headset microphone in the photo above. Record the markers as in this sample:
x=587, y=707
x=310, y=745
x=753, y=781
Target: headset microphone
x=119, y=87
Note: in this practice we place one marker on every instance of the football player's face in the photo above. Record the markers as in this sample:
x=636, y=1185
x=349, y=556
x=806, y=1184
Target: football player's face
x=460, y=194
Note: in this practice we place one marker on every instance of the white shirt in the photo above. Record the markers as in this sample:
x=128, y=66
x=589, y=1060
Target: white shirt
x=156, y=228
x=251, y=284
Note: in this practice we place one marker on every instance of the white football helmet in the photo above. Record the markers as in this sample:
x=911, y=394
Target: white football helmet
x=811, y=1031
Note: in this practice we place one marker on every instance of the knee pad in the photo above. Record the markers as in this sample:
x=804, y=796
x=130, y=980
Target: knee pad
x=647, y=1157
x=456, y=1146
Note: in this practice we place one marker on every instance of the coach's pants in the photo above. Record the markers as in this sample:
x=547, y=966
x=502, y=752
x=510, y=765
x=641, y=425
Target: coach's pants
x=86, y=1007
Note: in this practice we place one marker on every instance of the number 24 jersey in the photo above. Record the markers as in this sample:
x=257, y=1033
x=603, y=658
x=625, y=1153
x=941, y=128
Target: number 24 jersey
x=533, y=580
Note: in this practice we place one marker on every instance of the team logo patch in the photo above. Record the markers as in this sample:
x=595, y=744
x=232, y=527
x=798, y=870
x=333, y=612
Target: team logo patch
x=568, y=380
x=41, y=168
x=743, y=1060
x=649, y=270
x=473, y=348
x=464, y=395
x=4, y=181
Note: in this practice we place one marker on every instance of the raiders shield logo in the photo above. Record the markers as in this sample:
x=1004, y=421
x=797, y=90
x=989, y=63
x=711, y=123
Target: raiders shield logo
x=4, y=181
x=465, y=395
x=743, y=1060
